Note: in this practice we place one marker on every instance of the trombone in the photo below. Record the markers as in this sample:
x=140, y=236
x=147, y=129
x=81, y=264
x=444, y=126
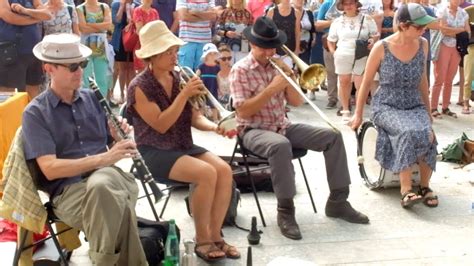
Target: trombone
x=227, y=121
x=310, y=77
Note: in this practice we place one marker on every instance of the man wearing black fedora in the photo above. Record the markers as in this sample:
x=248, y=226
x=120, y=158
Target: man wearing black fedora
x=259, y=95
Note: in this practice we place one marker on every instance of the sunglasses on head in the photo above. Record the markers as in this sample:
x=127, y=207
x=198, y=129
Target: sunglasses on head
x=75, y=66
x=226, y=58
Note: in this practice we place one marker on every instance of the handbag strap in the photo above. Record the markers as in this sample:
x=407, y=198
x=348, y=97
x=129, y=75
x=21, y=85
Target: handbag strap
x=358, y=35
x=361, y=24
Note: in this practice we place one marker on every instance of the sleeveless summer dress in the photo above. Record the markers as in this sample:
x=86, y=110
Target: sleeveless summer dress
x=398, y=111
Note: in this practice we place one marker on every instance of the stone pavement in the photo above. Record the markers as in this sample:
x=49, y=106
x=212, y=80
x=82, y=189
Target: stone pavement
x=395, y=236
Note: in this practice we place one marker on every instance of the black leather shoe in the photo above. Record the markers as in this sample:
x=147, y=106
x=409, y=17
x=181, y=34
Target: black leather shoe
x=344, y=210
x=287, y=223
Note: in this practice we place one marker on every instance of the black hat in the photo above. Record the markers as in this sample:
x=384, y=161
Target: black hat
x=265, y=33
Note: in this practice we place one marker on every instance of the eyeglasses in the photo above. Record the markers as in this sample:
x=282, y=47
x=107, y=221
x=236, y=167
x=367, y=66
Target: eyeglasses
x=75, y=66
x=226, y=58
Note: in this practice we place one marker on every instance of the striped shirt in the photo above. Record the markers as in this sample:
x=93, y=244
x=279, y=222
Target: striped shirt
x=247, y=79
x=195, y=31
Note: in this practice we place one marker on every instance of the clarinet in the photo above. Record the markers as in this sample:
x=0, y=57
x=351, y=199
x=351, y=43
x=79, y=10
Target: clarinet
x=143, y=171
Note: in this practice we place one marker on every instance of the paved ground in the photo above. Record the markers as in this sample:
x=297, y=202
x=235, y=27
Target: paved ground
x=395, y=236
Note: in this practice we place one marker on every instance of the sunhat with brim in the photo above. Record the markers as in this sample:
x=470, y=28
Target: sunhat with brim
x=265, y=34
x=156, y=38
x=61, y=48
x=414, y=13
x=207, y=49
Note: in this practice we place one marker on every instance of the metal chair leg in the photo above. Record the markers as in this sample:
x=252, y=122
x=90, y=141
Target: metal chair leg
x=254, y=189
x=307, y=185
x=166, y=203
x=19, y=249
x=56, y=243
x=150, y=201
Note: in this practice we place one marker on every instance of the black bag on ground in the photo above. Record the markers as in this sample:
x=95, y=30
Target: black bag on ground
x=262, y=179
x=8, y=53
x=153, y=237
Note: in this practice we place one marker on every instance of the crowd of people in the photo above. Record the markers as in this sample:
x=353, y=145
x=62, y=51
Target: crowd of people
x=232, y=46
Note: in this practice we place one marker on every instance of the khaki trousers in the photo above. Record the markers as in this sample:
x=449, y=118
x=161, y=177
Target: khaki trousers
x=103, y=206
x=468, y=72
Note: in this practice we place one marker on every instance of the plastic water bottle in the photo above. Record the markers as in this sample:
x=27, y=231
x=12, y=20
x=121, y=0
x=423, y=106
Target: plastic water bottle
x=172, y=245
x=189, y=257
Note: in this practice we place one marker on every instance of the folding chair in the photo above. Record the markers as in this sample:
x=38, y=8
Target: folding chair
x=248, y=155
x=170, y=184
x=51, y=219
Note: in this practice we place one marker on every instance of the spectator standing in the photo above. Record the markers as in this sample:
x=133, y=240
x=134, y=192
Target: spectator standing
x=94, y=21
x=345, y=30
x=230, y=25
x=453, y=20
x=257, y=7
x=123, y=70
x=323, y=23
x=207, y=71
x=195, y=19
x=167, y=11
x=18, y=24
x=317, y=49
x=468, y=66
x=287, y=19
x=141, y=16
x=462, y=4
x=387, y=21
x=225, y=64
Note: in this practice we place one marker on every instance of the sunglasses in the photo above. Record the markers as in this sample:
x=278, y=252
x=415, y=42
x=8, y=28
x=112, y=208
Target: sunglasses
x=75, y=66
x=226, y=58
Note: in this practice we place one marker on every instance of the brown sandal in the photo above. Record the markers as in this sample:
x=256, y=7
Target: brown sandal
x=206, y=256
x=409, y=199
x=230, y=251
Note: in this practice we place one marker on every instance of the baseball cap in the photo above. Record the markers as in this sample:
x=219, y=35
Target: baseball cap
x=415, y=14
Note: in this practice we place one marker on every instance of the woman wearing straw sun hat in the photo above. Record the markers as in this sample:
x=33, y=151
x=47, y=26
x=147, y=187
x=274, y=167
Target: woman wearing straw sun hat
x=162, y=118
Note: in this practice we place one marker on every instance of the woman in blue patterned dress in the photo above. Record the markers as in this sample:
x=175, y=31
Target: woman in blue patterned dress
x=400, y=107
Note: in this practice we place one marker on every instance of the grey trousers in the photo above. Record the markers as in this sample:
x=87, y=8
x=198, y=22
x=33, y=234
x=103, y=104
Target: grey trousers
x=103, y=206
x=278, y=149
x=331, y=76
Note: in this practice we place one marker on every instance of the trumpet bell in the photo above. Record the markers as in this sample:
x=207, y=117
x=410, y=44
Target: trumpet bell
x=312, y=77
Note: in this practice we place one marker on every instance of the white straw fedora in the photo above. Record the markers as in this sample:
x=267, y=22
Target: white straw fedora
x=62, y=48
x=155, y=38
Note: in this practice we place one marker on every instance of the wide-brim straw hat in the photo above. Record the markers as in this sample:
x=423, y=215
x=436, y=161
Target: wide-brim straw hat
x=61, y=48
x=265, y=34
x=156, y=38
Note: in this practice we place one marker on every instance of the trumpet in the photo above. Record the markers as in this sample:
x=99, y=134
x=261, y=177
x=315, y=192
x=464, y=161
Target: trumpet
x=310, y=77
x=227, y=121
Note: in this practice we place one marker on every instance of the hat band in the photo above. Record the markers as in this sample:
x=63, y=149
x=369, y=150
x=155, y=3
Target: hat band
x=60, y=58
x=263, y=37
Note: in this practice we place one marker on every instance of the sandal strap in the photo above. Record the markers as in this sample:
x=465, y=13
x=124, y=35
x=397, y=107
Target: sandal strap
x=212, y=248
x=407, y=193
x=448, y=112
x=424, y=190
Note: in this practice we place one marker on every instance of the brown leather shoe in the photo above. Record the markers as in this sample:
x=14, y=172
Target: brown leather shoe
x=286, y=219
x=344, y=210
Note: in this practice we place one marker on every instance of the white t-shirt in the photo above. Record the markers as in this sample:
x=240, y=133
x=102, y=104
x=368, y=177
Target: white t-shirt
x=344, y=30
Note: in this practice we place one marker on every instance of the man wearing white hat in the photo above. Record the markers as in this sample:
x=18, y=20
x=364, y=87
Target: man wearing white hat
x=65, y=132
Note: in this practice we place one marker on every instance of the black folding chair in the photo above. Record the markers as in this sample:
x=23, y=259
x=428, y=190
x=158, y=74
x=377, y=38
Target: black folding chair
x=248, y=156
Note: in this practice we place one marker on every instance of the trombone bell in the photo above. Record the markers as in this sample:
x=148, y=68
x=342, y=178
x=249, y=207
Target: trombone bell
x=311, y=76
